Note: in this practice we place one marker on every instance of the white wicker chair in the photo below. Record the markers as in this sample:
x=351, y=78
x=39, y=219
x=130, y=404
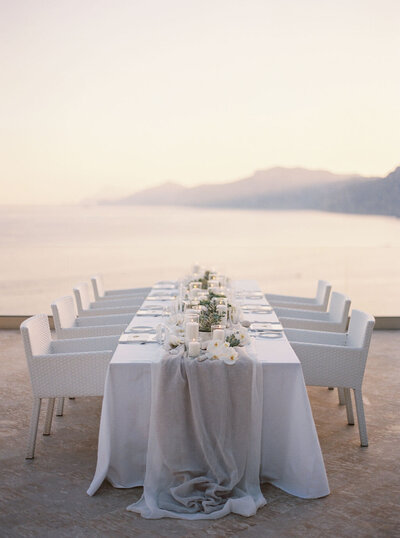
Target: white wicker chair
x=67, y=325
x=335, y=320
x=60, y=368
x=100, y=293
x=337, y=360
x=87, y=308
x=319, y=302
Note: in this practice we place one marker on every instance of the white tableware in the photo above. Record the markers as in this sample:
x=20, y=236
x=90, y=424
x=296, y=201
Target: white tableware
x=140, y=329
x=149, y=312
x=138, y=338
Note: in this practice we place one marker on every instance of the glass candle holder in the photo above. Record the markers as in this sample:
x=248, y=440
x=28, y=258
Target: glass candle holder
x=212, y=284
x=191, y=331
x=222, y=280
x=194, y=293
x=234, y=315
x=192, y=315
x=187, y=306
x=218, y=332
x=222, y=311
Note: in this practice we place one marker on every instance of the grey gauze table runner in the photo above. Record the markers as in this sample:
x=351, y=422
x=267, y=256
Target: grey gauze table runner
x=203, y=458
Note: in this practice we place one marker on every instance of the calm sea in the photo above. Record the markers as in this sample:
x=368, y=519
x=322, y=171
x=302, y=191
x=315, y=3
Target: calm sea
x=45, y=251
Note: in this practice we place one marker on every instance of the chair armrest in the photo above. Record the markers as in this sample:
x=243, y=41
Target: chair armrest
x=105, y=302
x=114, y=319
x=92, y=331
x=316, y=307
x=287, y=298
x=128, y=291
x=311, y=325
x=301, y=314
x=110, y=311
x=81, y=355
x=77, y=345
x=316, y=337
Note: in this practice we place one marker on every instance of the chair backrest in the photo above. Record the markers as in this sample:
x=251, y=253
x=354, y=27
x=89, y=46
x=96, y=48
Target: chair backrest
x=98, y=288
x=323, y=292
x=63, y=313
x=36, y=336
x=360, y=330
x=339, y=308
x=82, y=297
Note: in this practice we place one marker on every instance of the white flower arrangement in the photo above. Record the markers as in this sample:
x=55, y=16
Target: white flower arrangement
x=175, y=340
x=219, y=350
x=241, y=335
x=175, y=320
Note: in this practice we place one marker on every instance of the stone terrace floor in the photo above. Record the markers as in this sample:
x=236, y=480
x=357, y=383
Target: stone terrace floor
x=47, y=497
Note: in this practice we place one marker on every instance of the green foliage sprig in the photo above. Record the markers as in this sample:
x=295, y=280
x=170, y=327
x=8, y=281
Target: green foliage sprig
x=232, y=340
x=209, y=316
x=204, y=280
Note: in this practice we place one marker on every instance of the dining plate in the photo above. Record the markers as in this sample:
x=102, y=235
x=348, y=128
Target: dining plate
x=149, y=312
x=138, y=338
x=254, y=307
x=272, y=334
x=262, y=326
x=140, y=329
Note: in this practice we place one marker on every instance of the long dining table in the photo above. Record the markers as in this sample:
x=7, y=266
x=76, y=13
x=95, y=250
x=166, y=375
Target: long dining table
x=291, y=457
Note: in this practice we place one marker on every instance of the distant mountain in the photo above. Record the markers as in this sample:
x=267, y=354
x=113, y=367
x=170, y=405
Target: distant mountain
x=284, y=188
x=166, y=194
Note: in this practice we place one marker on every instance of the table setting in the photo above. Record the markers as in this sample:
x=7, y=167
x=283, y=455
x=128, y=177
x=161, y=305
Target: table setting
x=204, y=401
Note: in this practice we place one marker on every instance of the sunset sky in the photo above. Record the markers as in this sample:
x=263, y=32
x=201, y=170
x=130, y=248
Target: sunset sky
x=101, y=97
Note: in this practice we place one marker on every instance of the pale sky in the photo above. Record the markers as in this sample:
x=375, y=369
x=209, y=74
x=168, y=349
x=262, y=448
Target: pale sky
x=101, y=96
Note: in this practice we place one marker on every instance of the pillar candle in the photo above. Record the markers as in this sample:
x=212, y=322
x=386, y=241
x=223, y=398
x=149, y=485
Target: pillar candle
x=219, y=334
x=194, y=348
x=192, y=330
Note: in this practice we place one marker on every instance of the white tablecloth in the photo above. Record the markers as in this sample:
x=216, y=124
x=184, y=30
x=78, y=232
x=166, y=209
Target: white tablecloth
x=291, y=457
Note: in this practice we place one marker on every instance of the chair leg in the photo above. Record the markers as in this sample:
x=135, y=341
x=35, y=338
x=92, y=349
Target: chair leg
x=362, y=427
x=342, y=399
x=49, y=416
x=349, y=407
x=330, y=388
x=60, y=407
x=30, y=451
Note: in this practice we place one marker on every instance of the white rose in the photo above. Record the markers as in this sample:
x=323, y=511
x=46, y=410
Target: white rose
x=243, y=336
x=215, y=348
x=174, y=340
x=230, y=356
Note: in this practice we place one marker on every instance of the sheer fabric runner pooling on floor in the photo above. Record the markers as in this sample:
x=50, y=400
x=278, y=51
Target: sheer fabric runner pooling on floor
x=203, y=458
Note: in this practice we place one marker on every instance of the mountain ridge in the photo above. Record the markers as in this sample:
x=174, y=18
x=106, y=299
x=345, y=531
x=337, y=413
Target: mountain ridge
x=283, y=188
